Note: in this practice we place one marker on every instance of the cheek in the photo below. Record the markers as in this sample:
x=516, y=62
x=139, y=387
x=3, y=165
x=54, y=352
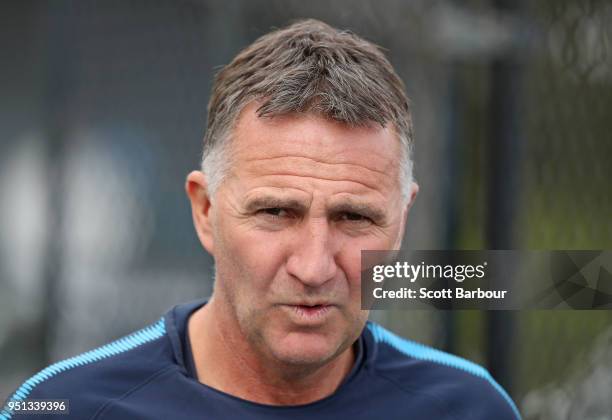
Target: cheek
x=350, y=255
x=251, y=257
x=350, y=263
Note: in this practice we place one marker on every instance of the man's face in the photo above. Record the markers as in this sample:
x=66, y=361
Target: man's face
x=303, y=197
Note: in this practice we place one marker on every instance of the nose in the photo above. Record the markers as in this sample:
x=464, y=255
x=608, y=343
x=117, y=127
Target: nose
x=312, y=259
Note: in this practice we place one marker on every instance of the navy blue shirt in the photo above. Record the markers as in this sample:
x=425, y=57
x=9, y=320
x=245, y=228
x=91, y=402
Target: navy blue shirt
x=150, y=374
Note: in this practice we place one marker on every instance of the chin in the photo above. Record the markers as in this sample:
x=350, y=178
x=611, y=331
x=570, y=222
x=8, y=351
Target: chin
x=306, y=349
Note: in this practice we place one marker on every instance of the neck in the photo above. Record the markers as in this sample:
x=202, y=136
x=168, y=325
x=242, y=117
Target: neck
x=248, y=375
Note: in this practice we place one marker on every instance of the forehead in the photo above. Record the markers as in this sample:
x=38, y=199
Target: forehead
x=303, y=147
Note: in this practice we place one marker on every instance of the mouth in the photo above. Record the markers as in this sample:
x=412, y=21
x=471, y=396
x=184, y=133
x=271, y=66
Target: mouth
x=310, y=313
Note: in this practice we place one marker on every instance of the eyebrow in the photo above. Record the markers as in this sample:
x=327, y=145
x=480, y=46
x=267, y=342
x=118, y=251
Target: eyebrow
x=267, y=202
x=347, y=205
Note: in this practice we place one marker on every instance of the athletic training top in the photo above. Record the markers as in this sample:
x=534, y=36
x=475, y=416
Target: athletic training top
x=150, y=374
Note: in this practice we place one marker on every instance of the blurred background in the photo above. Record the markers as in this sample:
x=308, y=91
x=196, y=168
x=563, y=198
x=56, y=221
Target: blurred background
x=102, y=112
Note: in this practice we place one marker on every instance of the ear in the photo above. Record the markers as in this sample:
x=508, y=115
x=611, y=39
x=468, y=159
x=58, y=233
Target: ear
x=196, y=187
x=414, y=190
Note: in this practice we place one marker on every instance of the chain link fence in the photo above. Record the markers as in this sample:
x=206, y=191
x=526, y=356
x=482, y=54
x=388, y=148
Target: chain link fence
x=101, y=118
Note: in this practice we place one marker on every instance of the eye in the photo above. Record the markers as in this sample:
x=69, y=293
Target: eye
x=354, y=217
x=274, y=211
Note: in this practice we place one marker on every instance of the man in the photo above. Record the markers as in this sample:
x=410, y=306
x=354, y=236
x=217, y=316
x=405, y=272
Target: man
x=306, y=163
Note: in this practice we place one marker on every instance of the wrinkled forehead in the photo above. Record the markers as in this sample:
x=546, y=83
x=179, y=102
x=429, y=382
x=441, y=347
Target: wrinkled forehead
x=317, y=138
x=309, y=155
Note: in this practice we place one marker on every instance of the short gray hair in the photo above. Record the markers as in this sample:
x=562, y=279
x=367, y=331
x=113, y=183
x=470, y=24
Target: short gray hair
x=307, y=67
